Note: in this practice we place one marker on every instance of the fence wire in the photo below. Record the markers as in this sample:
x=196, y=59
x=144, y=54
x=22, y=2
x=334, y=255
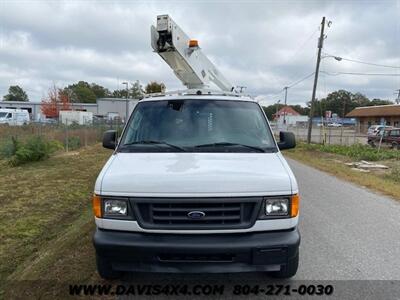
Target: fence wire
x=70, y=135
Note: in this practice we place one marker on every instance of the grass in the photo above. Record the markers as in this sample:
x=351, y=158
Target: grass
x=331, y=159
x=46, y=221
x=356, y=151
x=45, y=213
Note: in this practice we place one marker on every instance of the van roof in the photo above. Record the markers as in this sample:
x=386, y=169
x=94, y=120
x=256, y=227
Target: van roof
x=199, y=97
x=197, y=94
x=12, y=110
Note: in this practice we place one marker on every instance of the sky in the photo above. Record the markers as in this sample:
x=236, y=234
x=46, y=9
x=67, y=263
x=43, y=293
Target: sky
x=263, y=45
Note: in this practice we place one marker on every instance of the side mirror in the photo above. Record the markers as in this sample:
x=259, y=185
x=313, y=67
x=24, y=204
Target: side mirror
x=109, y=139
x=287, y=140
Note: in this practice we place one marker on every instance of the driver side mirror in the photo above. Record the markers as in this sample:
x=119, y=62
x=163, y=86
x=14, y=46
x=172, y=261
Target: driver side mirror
x=110, y=139
x=287, y=140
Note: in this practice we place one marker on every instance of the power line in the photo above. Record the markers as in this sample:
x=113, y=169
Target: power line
x=292, y=84
x=298, y=81
x=302, y=45
x=364, y=62
x=359, y=73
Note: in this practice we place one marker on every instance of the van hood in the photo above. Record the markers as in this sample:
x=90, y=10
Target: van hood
x=195, y=174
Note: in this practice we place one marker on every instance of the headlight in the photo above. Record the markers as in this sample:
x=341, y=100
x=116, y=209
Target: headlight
x=280, y=207
x=277, y=207
x=113, y=207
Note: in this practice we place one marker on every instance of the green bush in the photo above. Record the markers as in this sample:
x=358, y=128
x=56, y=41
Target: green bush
x=74, y=142
x=34, y=149
x=356, y=151
x=8, y=148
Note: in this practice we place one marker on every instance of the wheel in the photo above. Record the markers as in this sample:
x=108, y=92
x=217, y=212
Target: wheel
x=105, y=270
x=372, y=144
x=288, y=270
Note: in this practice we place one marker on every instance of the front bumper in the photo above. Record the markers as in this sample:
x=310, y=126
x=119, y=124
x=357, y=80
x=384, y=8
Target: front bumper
x=189, y=253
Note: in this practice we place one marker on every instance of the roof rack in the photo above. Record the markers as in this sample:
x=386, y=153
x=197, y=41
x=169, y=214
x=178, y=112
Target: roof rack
x=197, y=92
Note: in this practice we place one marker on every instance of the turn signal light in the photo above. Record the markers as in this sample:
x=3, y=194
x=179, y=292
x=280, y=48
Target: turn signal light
x=295, y=205
x=96, y=203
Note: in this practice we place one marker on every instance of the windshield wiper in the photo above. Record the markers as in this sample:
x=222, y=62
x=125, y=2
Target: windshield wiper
x=222, y=144
x=150, y=142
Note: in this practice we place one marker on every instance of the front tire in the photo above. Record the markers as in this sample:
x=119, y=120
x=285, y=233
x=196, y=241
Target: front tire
x=289, y=270
x=105, y=270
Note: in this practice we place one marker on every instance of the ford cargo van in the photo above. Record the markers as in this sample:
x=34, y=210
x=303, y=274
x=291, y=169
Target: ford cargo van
x=14, y=117
x=197, y=184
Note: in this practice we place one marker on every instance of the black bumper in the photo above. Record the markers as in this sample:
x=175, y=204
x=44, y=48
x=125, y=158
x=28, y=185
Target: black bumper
x=190, y=253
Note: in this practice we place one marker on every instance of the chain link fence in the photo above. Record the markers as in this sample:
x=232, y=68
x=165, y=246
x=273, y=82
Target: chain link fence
x=335, y=135
x=70, y=135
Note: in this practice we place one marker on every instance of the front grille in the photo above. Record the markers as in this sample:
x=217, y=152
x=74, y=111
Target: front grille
x=201, y=213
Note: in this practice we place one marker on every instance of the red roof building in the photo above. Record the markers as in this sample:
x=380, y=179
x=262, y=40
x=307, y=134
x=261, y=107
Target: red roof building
x=287, y=110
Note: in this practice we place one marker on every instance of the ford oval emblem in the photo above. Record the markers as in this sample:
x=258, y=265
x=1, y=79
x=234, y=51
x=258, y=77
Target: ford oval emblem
x=196, y=214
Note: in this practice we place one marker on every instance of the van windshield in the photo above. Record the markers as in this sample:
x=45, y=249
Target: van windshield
x=197, y=126
x=3, y=115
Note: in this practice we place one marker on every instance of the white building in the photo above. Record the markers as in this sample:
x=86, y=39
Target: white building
x=104, y=107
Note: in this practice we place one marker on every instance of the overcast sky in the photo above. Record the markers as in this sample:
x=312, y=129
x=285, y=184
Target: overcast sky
x=264, y=45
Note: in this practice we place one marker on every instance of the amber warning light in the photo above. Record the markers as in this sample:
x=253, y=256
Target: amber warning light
x=193, y=43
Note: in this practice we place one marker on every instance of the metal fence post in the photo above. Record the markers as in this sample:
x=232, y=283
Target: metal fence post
x=66, y=135
x=85, y=134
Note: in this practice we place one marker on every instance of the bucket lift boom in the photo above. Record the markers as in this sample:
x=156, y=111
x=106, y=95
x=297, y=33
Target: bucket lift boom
x=185, y=57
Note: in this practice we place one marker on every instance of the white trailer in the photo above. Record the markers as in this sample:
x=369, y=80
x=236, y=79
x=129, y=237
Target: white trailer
x=69, y=117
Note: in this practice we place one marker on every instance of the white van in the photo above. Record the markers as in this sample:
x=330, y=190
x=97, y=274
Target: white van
x=197, y=179
x=14, y=117
x=196, y=182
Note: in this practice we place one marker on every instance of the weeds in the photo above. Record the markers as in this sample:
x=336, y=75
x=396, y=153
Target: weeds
x=356, y=151
x=74, y=142
x=394, y=174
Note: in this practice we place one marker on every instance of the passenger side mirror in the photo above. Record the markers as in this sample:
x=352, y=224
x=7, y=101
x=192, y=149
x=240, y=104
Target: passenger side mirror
x=110, y=139
x=287, y=140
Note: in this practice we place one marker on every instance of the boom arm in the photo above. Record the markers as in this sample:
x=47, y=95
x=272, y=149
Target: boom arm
x=185, y=57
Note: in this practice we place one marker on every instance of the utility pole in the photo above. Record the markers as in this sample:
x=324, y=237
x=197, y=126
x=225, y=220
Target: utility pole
x=276, y=113
x=398, y=96
x=320, y=45
x=126, y=101
x=284, y=110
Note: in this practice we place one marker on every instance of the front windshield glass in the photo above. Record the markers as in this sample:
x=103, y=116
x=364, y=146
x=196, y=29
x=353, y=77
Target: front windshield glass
x=3, y=115
x=197, y=126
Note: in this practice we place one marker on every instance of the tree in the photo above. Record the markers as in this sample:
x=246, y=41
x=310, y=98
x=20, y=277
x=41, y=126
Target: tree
x=99, y=91
x=80, y=92
x=272, y=109
x=342, y=102
x=16, y=93
x=375, y=102
x=55, y=101
x=119, y=94
x=154, y=87
x=135, y=92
